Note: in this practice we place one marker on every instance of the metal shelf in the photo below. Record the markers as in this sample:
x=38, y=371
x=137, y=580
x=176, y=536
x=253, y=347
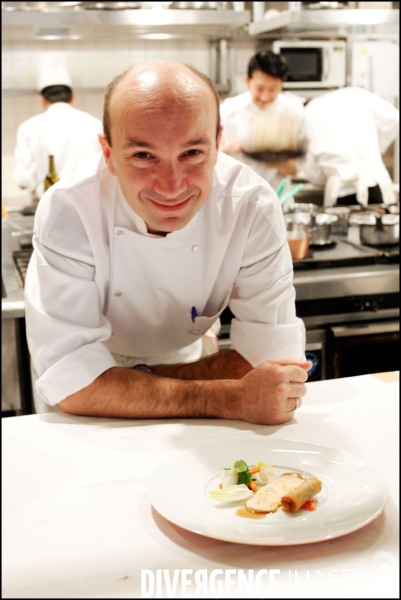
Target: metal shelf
x=210, y=23
x=327, y=21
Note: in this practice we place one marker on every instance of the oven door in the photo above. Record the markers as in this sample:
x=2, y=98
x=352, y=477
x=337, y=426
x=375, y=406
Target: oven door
x=362, y=348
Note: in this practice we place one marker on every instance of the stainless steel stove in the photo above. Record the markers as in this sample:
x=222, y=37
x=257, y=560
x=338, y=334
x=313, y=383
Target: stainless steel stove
x=348, y=297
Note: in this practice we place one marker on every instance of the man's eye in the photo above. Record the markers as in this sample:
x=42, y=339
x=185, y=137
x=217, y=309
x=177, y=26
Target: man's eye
x=141, y=155
x=193, y=152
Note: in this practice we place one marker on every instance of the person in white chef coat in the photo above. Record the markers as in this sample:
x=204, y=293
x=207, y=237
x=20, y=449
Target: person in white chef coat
x=69, y=134
x=136, y=256
x=347, y=131
x=264, y=100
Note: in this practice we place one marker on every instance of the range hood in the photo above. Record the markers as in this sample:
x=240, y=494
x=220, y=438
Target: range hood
x=338, y=22
x=209, y=23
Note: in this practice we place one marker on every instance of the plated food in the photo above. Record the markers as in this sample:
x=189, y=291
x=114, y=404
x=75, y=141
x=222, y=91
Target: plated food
x=263, y=491
x=353, y=493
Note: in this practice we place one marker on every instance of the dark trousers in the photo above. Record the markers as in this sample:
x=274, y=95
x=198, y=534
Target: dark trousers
x=375, y=197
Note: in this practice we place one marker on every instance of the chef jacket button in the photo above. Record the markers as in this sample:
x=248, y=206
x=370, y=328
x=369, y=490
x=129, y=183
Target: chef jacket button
x=195, y=248
x=120, y=232
x=117, y=293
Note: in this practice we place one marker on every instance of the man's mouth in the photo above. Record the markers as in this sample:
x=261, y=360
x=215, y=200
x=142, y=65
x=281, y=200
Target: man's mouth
x=172, y=206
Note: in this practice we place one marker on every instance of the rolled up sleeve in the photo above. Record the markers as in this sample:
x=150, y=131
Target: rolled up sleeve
x=265, y=326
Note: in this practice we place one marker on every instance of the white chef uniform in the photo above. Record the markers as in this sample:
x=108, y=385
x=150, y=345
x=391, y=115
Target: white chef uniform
x=69, y=134
x=348, y=130
x=237, y=115
x=100, y=287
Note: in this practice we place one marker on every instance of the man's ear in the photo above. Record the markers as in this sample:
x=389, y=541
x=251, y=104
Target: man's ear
x=219, y=137
x=106, y=152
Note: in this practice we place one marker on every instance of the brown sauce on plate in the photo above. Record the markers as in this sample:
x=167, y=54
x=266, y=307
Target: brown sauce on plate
x=247, y=514
x=299, y=475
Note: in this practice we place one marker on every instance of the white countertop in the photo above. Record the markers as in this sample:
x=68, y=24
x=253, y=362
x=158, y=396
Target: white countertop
x=78, y=523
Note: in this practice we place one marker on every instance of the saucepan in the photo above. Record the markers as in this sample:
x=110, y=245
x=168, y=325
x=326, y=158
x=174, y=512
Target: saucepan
x=376, y=229
x=298, y=237
x=304, y=207
x=340, y=227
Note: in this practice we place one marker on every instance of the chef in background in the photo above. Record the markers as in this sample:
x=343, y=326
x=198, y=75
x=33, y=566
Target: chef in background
x=348, y=130
x=70, y=135
x=263, y=103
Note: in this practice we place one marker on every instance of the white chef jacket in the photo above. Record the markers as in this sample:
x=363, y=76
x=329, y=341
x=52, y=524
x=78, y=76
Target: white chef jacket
x=237, y=115
x=99, y=287
x=348, y=130
x=69, y=134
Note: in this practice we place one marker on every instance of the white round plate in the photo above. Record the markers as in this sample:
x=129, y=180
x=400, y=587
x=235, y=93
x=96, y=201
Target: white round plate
x=352, y=494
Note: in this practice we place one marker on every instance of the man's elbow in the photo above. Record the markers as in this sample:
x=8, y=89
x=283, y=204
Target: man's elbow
x=68, y=406
x=74, y=404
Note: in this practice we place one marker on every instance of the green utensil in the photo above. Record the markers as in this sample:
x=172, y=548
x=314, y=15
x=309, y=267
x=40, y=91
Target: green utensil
x=281, y=186
x=292, y=193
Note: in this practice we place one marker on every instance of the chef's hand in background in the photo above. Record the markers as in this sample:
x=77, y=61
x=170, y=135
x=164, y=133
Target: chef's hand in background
x=270, y=393
x=286, y=167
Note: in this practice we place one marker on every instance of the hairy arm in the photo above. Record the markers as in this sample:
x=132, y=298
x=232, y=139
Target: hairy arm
x=262, y=395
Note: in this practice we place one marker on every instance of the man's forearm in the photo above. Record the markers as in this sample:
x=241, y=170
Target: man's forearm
x=232, y=389
x=124, y=393
x=224, y=365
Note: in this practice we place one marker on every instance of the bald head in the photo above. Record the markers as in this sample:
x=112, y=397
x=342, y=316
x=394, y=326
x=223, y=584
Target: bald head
x=160, y=86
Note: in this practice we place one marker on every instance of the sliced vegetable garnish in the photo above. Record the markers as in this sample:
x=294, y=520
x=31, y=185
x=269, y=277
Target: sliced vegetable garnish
x=233, y=493
x=244, y=475
x=229, y=477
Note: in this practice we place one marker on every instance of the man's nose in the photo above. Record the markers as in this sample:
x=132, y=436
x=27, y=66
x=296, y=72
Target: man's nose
x=170, y=181
x=267, y=97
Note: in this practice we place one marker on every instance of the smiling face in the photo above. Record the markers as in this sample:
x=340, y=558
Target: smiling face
x=164, y=147
x=264, y=88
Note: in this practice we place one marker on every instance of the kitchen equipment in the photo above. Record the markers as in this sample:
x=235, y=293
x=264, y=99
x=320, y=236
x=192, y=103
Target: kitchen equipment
x=319, y=223
x=195, y=5
x=291, y=193
x=313, y=63
x=304, y=207
x=281, y=186
x=340, y=227
x=298, y=234
x=376, y=229
x=298, y=240
x=268, y=156
x=352, y=287
x=110, y=5
x=321, y=231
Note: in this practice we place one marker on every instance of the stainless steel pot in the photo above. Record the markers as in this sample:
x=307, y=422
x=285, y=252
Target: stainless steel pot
x=342, y=213
x=377, y=230
x=300, y=207
x=322, y=230
x=319, y=224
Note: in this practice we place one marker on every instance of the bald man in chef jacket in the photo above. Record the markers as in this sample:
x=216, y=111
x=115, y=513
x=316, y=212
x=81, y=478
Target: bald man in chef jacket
x=70, y=135
x=136, y=258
